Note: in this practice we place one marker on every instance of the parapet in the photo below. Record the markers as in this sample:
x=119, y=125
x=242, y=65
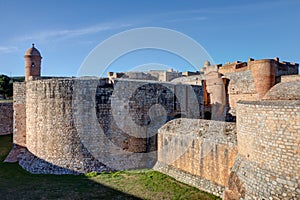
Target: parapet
x=236, y=66
x=281, y=67
x=290, y=78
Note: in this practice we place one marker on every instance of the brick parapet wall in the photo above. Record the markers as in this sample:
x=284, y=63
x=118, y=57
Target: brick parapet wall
x=6, y=118
x=268, y=150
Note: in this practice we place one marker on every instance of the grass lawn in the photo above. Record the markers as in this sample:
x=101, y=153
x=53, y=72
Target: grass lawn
x=6, y=100
x=16, y=183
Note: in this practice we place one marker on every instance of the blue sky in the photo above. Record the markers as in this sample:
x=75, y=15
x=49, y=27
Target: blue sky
x=66, y=31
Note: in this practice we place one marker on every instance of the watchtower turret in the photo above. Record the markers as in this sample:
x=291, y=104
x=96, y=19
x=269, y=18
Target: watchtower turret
x=32, y=64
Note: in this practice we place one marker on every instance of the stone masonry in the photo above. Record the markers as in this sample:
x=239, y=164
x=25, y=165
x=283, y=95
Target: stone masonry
x=6, y=118
x=268, y=158
x=198, y=152
x=79, y=125
x=94, y=124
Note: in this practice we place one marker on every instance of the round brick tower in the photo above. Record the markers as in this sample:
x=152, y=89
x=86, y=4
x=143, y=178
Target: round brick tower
x=32, y=63
x=263, y=72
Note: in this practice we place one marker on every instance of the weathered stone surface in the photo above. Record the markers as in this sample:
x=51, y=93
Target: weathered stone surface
x=198, y=152
x=19, y=107
x=76, y=124
x=284, y=91
x=6, y=118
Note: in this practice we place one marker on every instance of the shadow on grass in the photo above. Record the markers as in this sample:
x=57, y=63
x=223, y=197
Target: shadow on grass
x=16, y=183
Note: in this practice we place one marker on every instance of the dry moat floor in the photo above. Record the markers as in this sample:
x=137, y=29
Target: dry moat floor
x=16, y=183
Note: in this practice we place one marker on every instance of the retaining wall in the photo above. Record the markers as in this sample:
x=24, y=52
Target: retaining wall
x=198, y=152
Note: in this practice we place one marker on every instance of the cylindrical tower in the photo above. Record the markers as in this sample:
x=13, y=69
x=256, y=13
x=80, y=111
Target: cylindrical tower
x=32, y=63
x=263, y=72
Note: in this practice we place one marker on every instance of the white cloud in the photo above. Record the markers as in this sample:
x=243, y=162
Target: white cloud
x=8, y=49
x=68, y=33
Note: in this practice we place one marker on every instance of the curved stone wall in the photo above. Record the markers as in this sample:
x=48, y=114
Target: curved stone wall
x=50, y=132
x=83, y=124
x=268, y=151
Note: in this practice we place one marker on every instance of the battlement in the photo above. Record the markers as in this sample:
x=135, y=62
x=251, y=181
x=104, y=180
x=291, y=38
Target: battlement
x=282, y=67
x=236, y=66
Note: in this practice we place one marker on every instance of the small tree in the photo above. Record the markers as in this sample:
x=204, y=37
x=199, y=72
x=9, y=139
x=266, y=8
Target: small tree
x=6, y=86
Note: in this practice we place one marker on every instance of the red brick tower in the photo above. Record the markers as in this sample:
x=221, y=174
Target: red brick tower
x=32, y=64
x=263, y=72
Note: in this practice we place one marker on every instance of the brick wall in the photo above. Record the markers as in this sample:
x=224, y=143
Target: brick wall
x=6, y=118
x=268, y=159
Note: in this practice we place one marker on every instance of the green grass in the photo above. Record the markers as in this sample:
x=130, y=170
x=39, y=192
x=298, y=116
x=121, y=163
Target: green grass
x=6, y=100
x=16, y=183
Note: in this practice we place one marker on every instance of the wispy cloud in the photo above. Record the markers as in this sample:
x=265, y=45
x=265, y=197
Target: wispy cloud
x=69, y=33
x=242, y=7
x=188, y=19
x=8, y=49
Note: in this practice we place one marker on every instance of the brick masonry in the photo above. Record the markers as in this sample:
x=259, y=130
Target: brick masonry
x=267, y=165
x=6, y=118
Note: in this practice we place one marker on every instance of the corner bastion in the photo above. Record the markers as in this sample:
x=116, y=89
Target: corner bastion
x=267, y=164
x=91, y=124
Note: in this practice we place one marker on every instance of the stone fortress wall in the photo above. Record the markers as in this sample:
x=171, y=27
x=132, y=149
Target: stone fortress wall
x=248, y=80
x=265, y=157
x=267, y=164
x=70, y=123
x=19, y=107
x=268, y=158
x=71, y=126
x=6, y=118
x=198, y=152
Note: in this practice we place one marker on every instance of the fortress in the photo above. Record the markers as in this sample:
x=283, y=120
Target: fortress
x=231, y=130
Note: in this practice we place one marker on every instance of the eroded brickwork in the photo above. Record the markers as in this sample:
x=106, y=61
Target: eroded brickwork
x=6, y=118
